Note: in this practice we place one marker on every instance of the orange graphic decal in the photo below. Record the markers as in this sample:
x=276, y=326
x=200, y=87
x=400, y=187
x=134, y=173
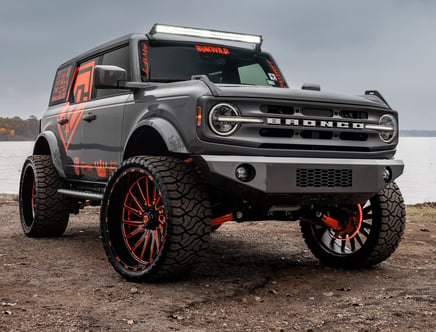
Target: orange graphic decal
x=277, y=74
x=70, y=115
x=76, y=166
x=100, y=166
x=212, y=49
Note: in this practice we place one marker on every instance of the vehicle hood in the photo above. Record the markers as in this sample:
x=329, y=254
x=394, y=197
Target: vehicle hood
x=242, y=91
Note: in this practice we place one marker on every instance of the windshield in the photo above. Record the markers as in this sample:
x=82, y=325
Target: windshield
x=169, y=63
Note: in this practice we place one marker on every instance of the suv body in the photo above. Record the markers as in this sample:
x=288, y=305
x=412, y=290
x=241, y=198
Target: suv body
x=205, y=123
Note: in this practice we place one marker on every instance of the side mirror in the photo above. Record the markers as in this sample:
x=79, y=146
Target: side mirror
x=109, y=77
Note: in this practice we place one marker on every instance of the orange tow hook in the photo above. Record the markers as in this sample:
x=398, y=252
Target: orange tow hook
x=330, y=222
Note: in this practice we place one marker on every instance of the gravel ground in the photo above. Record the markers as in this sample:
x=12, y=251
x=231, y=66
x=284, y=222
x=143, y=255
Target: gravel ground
x=258, y=276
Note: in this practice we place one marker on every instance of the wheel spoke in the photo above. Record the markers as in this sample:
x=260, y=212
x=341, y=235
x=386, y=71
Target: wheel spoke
x=157, y=201
x=140, y=206
x=353, y=244
x=357, y=237
x=366, y=210
x=366, y=225
x=144, y=247
x=136, y=231
x=147, y=191
x=134, y=223
x=154, y=195
x=152, y=248
x=332, y=242
x=141, y=193
x=364, y=232
x=157, y=239
x=138, y=243
x=343, y=245
x=135, y=211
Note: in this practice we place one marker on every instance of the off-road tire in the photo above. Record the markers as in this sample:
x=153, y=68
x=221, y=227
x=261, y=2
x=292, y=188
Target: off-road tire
x=179, y=225
x=385, y=212
x=43, y=212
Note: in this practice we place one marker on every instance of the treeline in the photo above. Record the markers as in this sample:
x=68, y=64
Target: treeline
x=17, y=129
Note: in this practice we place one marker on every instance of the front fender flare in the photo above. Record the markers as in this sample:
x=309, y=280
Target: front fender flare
x=55, y=151
x=167, y=131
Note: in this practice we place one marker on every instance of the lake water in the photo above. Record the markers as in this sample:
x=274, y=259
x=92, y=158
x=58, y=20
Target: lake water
x=418, y=183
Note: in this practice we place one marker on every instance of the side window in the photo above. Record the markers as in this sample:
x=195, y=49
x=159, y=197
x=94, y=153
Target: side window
x=82, y=89
x=61, y=85
x=119, y=58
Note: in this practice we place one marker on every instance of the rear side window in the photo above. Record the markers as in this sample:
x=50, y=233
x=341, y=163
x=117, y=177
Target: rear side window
x=61, y=85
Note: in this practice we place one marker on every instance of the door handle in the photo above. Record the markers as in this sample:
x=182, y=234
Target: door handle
x=63, y=121
x=89, y=117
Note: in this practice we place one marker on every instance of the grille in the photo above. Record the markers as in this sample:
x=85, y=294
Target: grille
x=317, y=178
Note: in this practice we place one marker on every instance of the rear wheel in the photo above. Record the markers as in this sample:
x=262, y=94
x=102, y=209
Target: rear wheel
x=155, y=218
x=43, y=211
x=369, y=233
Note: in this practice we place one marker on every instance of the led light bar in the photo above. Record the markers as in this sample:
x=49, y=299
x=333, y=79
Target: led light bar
x=202, y=33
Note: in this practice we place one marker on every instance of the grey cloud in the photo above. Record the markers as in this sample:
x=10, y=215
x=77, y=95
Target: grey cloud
x=346, y=46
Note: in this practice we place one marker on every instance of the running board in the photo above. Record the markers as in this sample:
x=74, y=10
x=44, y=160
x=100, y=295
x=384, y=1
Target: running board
x=81, y=194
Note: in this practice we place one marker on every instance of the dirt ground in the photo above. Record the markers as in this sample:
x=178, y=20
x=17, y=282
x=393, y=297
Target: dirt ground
x=258, y=276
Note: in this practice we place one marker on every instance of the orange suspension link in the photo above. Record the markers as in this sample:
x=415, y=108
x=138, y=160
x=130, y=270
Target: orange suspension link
x=221, y=220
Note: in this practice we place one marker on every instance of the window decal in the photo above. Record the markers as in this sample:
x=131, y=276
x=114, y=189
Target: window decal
x=212, y=49
x=144, y=61
x=277, y=74
x=61, y=85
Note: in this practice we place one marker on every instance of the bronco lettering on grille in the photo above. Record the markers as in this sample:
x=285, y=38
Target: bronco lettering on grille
x=315, y=123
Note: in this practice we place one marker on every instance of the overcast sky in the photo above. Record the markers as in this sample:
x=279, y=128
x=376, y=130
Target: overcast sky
x=345, y=46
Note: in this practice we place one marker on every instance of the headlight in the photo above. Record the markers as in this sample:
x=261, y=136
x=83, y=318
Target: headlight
x=223, y=111
x=391, y=125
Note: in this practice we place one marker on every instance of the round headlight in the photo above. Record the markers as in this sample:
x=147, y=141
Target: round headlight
x=220, y=127
x=388, y=120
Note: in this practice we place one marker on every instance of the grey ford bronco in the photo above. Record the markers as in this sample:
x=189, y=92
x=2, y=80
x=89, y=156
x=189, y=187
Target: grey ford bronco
x=179, y=130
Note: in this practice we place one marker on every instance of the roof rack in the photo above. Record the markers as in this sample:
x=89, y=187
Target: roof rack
x=206, y=33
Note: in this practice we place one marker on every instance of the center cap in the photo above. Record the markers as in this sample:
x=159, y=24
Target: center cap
x=146, y=218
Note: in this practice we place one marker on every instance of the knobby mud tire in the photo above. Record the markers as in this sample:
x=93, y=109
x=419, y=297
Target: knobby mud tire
x=155, y=218
x=384, y=221
x=43, y=212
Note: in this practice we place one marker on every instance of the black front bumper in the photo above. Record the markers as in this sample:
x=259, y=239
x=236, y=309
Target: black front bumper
x=307, y=180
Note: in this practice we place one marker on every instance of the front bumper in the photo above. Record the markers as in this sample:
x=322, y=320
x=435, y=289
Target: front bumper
x=312, y=179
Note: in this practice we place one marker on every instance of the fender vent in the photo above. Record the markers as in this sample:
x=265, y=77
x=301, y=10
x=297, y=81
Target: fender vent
x=318, y=178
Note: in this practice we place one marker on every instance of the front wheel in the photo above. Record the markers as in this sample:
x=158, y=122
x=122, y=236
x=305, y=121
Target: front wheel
x=370, y=235
x=155, y=218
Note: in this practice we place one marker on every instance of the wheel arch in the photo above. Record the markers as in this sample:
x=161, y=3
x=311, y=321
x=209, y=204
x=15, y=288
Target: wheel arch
x=46, y=144
x=164, y=137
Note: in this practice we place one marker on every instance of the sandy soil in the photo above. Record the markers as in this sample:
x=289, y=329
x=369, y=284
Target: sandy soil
x=258, y=276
